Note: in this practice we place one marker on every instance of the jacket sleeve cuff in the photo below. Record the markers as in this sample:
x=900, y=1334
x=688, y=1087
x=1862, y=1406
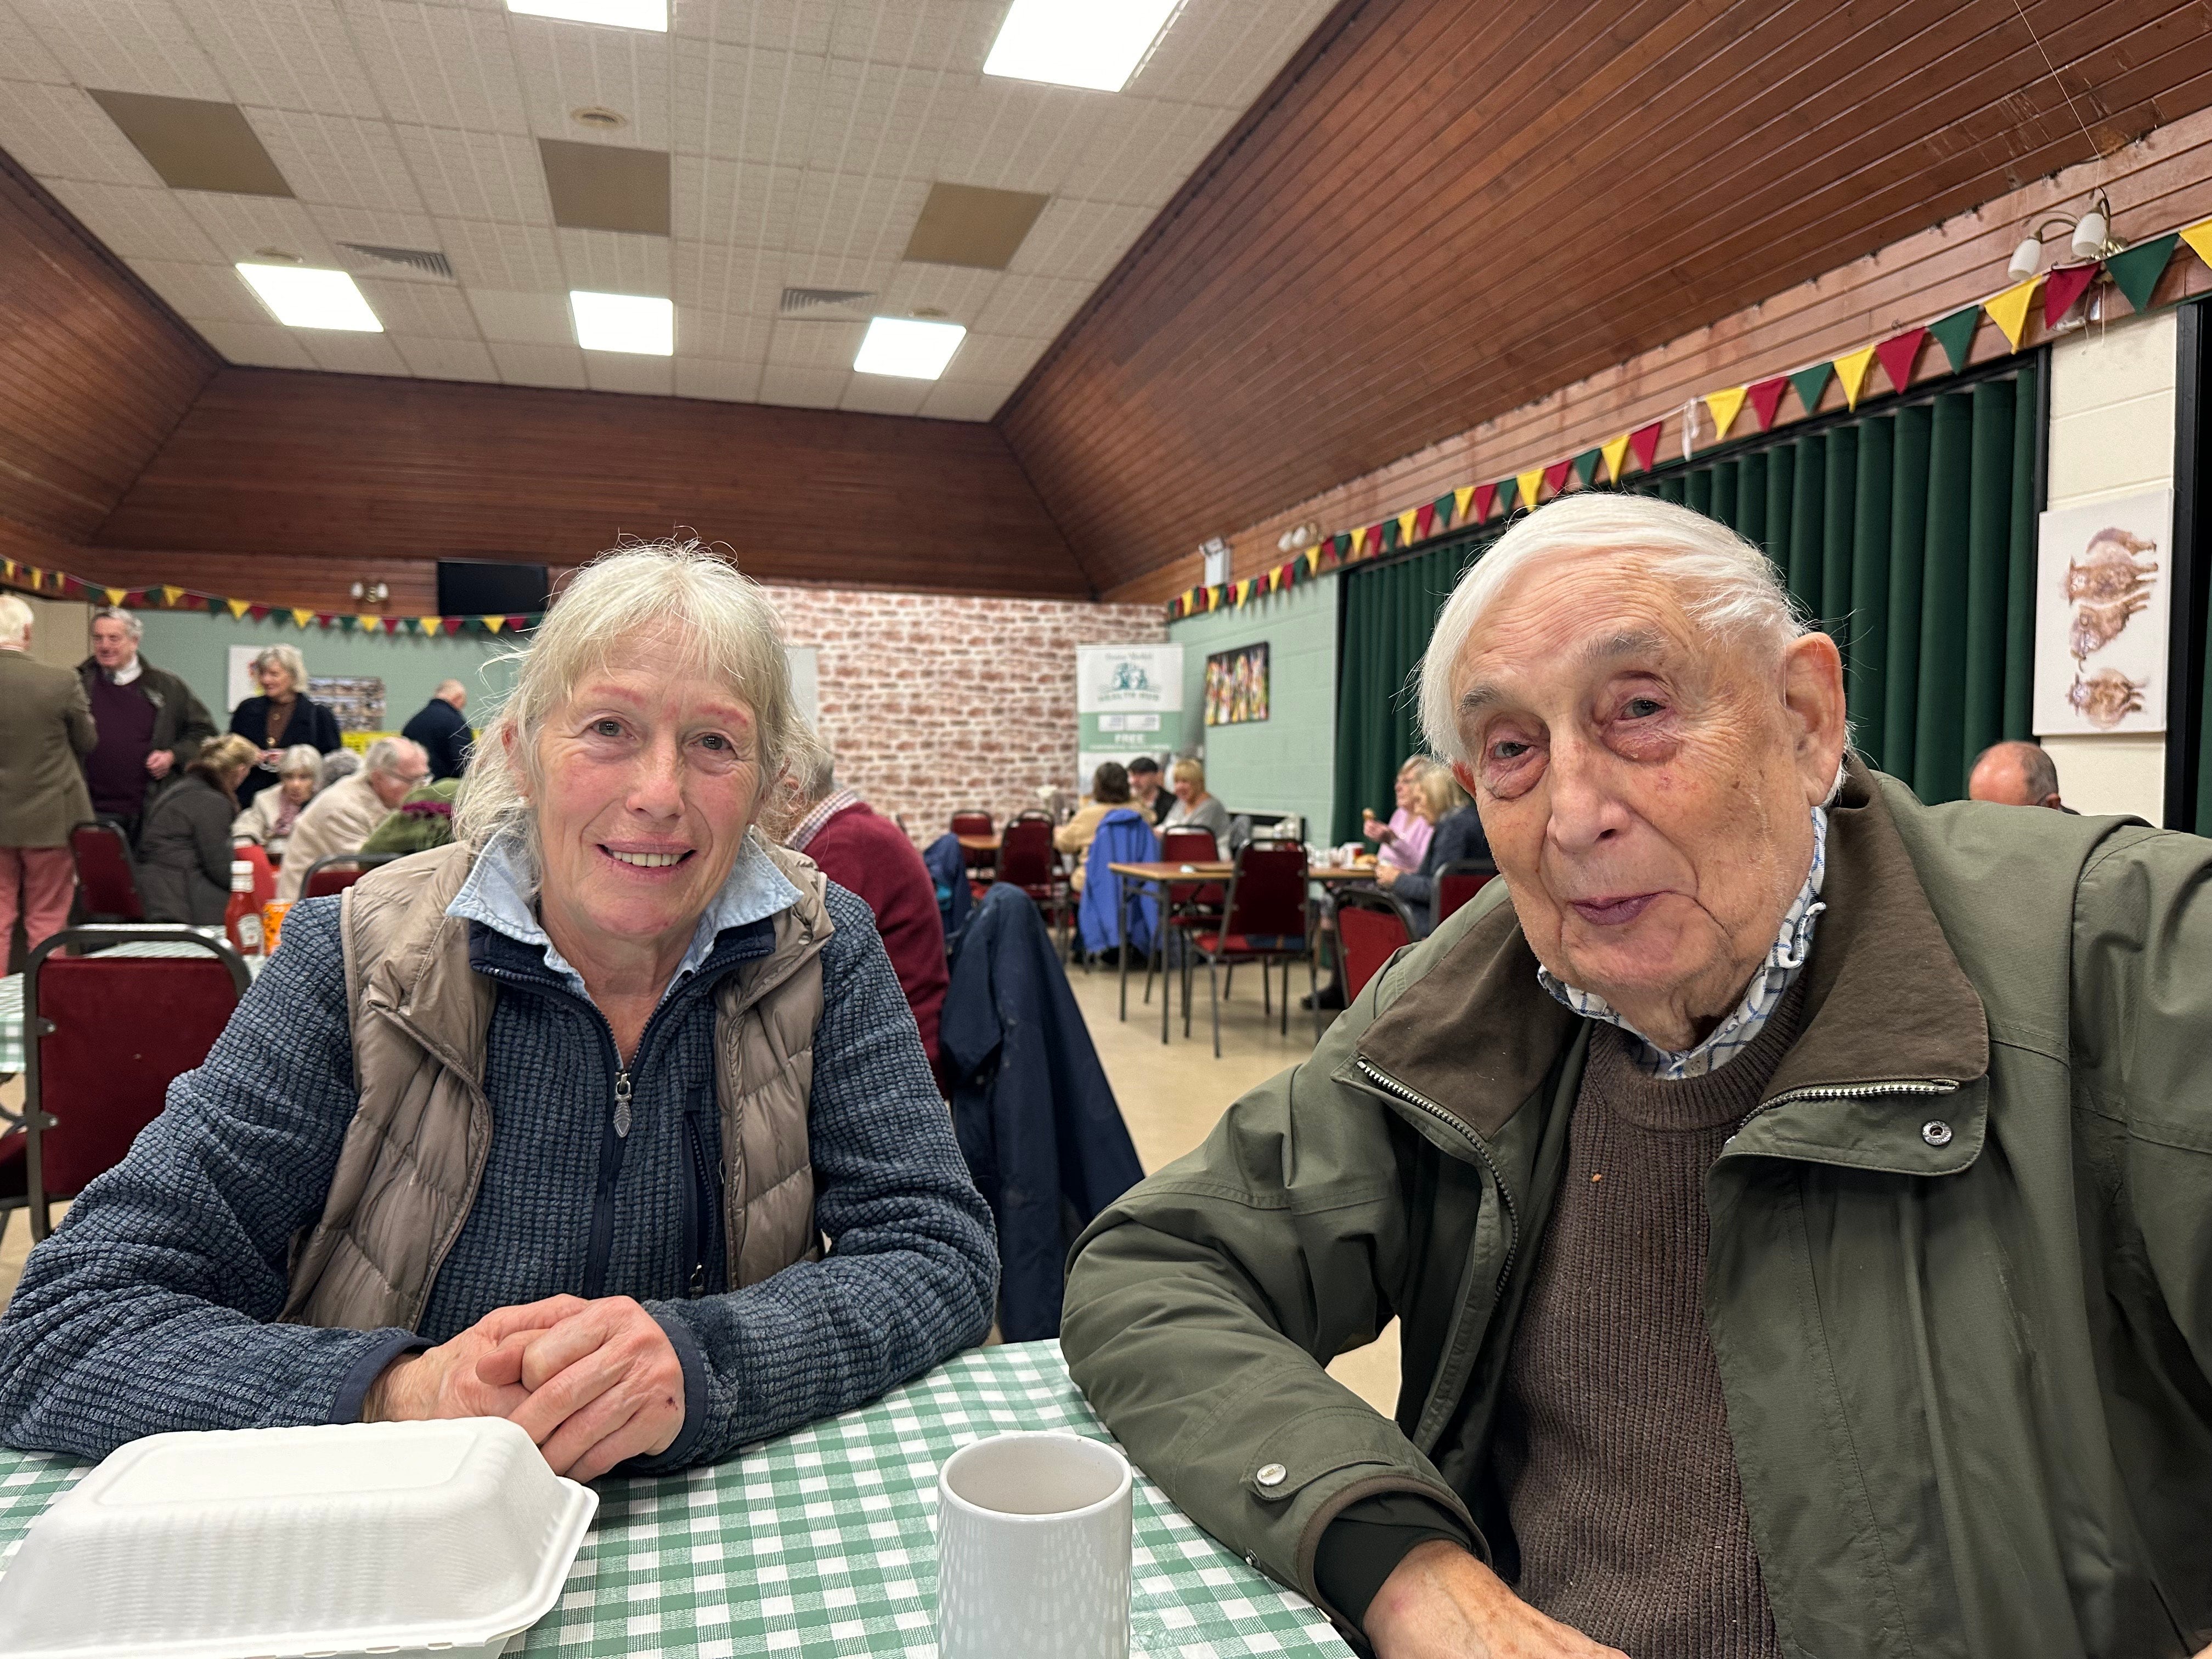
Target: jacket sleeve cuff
x=1363, y=1546
x=682, y=1449
x=354, y=1386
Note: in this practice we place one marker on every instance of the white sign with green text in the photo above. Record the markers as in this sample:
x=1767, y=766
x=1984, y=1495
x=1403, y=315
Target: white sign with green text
x=1128, y=701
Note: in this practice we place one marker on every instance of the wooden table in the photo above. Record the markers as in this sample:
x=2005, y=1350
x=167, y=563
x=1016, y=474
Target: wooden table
x=978, y=843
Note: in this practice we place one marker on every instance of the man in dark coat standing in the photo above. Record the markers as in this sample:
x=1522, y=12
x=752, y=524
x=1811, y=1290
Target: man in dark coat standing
x=45, y=726
x=151, y=724
x=442, y=731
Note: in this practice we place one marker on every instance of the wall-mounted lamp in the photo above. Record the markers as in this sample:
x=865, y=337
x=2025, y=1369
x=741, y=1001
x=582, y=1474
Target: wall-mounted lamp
x=370, y=592
x=2091, y=238
x=1298, y=538
x=1215, y=552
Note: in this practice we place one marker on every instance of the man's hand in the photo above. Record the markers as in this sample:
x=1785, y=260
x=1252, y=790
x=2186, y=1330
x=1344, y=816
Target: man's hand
x=452, y=1379
x=1441, y=1601
x=1388, y=874
x=604, y=1385
x=159, y=761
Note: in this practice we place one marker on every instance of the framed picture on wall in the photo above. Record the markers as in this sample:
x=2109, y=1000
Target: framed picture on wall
x=1237, y=685
x=2101, y=610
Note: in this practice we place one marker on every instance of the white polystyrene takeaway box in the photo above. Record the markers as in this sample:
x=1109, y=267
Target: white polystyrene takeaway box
x=276, y=1543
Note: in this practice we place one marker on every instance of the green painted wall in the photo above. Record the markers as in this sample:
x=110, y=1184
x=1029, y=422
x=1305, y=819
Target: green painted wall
x=1286, y=763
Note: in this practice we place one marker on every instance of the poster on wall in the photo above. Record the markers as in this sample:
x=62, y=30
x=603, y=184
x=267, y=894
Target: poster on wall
x=2101, y=611
x=355, y=701
x=1128, y=701
x=1237, y=685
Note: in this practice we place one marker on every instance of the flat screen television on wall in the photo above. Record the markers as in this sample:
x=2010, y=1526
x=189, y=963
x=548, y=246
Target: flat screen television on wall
x=485, y=587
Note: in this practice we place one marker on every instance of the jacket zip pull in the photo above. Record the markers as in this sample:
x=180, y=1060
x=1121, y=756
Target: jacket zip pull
x=622, y=1105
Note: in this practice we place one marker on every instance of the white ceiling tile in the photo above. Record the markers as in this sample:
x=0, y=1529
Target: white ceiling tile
x=522, y=257
x=539, y=365
x=353, y=224
x=341, y=160
x=629, y=371
x=564, y=68
x=420, y=310
x=746, y=105
x=708, y=377
x=264, y=344
x=1016, y=135
x=959, y=400
x=1225, y=51
x=744, y=281
x=722, y=334
x=885, y=118
x=928, y=33
x=135, y=224
x=285, y=54
x=735, y=204
x=1080, y=240
x=216, y=293
x=344, y=353
x=477, y=175
x=446, y=360
x=126, y=46
x=23, y=56
x=958, y=291
x=803, y=388
x=58, y=132
x=801, y=26
x=1141, y=150
x=241, y=227
x=523, y=319
x=994, y=359
x=852, y=216
x=885, y=394
x=440, y=65
x=794, y=344
x=612, y=262
x=1032, y=307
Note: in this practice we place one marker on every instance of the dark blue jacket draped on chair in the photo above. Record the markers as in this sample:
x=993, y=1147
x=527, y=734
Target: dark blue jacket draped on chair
x=1124, y=838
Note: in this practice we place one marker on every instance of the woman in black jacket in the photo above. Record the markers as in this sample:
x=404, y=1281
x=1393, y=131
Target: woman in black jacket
x=283, y=715
x=184, y=846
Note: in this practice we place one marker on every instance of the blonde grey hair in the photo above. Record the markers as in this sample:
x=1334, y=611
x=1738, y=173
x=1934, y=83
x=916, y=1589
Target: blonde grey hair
x=301, y=759
x=715, y=622
x=388, y=754
x=16, y=619
x=131, y=625
x=288, y=658
x=1728, y=587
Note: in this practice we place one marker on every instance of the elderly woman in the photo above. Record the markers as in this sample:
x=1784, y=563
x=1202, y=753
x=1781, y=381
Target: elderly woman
x=282, y=718
x=608, y=1118
x=268, y=818
x=183, y=845
x=1796, y=1200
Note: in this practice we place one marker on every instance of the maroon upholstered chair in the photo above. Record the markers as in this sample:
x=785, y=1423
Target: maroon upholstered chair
x=106, y=874
x=974, y=821
x=1027, y=860
x=1371, y=925
x=340, y=871
x=1460, y=881
x=1190, y=903
x=1264, y=921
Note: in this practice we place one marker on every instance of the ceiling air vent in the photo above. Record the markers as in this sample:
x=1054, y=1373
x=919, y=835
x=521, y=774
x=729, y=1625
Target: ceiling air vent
x=800, y=302
x=427, y=261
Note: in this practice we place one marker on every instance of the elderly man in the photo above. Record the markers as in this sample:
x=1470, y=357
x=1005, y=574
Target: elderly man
x=440, y=728
x=45, y=726
x=347, y=813
x=2015, y=774
x=1796, y=1200
x=151, y=724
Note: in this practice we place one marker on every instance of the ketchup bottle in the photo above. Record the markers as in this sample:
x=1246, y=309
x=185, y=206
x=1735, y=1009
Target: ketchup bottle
x=242, y=920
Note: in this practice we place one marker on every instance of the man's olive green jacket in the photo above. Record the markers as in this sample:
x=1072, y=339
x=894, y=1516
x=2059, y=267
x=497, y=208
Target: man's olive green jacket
x=1960, y=1286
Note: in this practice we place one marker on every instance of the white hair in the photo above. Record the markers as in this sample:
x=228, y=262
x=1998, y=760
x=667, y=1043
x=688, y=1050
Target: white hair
x=1730, y=588
x=713, y=620
x=131, y=625
x=301, y=759
x=16, y=619
x=388, y=754
x=288, y=658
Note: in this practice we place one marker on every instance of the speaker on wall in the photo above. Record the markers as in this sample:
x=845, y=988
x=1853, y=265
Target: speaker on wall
x=485, y=587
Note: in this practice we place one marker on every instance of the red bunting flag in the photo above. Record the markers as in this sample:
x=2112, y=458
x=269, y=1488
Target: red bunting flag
x=323, y=619
x=1766, y=397
x=1644, y=443
x=1899, y=353
x=1425, y=520
x=2062, y=287
x=257, y=612
x=1485, y=497
x=1555, y=475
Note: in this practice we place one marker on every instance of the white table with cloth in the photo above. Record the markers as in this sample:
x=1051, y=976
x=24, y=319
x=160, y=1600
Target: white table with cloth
x=822, y=1543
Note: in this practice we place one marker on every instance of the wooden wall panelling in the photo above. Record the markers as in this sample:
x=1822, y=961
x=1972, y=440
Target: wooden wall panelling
x=95, y=371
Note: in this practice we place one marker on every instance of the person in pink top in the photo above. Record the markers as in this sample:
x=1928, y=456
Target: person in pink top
x=1405, y=839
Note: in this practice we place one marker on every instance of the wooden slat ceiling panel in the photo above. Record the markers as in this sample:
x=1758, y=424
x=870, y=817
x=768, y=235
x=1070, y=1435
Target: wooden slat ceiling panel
x=1443, y=210
x=363, y=466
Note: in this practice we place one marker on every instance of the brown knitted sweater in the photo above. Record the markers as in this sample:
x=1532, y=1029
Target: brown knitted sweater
x=1613, y=1446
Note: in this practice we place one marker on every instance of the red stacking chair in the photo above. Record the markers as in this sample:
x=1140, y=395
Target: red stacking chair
x=974, y=821
x=1264, y=922
x=1460, y=881
x=1027, y=860
x=340, y=871
x=103, y=1035
x=106, y=874
x=1190, y=903
x=1370, y=924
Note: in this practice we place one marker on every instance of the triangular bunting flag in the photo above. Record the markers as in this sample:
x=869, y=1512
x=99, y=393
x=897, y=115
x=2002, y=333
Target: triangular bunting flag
x=429, y=626
x=171, y=595
x=2064, y=287
x=1586, y=468
x=1407, y=520
x=2135, y=270
x=1555, y=475
x=2199, y=238
x=1389, y=535
x=1461, y=497
x=1851, y=371
x=492, y=624
x=1724, y=406
x=115, y=594
x=1484, y=498
x=1425, y=520
x=1443, y=509
x=302, y=618
x=215, y=607
x=1643, y=444
x=1955, y=334
x=257, y=611
x=1765, y=398
x=1811, y=385
x=1530, y=484
x=1509, y=496
x=1898, y=354
x=2008, y=310
x=1615, y=450
x=324, y=619
x=237, y=607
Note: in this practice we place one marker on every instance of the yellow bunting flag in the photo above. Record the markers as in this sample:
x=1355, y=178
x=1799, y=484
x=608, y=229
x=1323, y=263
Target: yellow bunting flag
x=1313, y=559
x=302, y=618
x=2199, y=238
x=1406, y=526
x=1851, y=369
x=370, y=624
x=1615, y=450
x=1461, y=497
x=2008, y=311
x=37, y=577
x=1529, y=483
x=494, y=623
x=1725, y=406
x=429, y=625
x=114, y=594
x=171, y=595
x=237, y=607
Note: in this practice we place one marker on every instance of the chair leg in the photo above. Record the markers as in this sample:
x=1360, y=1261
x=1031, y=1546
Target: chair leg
x=1229, y=981
x=1267, y=989
x=1216, y=1000
x=1286, y=996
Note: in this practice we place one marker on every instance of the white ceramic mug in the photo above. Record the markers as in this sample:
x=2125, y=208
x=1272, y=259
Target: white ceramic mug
x=1033, y=1549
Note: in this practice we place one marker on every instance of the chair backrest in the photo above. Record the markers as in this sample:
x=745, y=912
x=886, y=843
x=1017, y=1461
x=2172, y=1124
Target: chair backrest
x=340, y=871
x=1037, y=812
x=1268, y=894
x=1025, y=854
x=106, y=874
x=122, y=1027
x=1188, y=844
x=1460, y=881
x=1369, y=924
x=971, y=821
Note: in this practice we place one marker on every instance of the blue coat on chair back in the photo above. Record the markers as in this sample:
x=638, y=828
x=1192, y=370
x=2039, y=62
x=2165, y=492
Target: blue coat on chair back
x=1033, y=1112
x=948, y=872
x=1123, y=837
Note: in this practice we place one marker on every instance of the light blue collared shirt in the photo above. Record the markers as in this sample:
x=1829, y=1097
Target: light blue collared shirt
x=502, y=890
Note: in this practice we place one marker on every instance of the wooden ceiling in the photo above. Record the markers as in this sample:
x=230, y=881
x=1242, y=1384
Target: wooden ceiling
x=1440, y=210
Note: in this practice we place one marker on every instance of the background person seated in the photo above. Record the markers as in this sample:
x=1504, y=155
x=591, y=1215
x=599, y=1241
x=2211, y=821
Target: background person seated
x=2015, y=773
x=1458, y=835
x=605, y=1218
x=1148, y=792
x=1403, y=843
x=346, y=814
x=183, y=845
x=1109, y=793
x=423, y=820
x=268, y=818
x=1194, y=807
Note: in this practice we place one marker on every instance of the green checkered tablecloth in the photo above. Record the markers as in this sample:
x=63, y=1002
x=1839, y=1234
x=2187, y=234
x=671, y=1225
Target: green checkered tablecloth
x=822, y=1543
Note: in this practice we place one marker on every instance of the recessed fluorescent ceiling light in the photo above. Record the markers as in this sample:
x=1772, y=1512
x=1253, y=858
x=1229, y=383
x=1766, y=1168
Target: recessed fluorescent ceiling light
x=912, y=350
x=617, y=14
x=624, y=322
x=305, y=298
x=1077, y=43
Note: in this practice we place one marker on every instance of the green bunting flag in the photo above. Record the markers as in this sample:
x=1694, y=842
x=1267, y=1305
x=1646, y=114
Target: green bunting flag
x=1508, y=490
x=1586, y=467
x=1955, y=334
x=2136, y=271
x=1811, y=383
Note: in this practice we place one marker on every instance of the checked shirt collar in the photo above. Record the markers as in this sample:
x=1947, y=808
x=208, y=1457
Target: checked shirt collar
x=819, y=814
